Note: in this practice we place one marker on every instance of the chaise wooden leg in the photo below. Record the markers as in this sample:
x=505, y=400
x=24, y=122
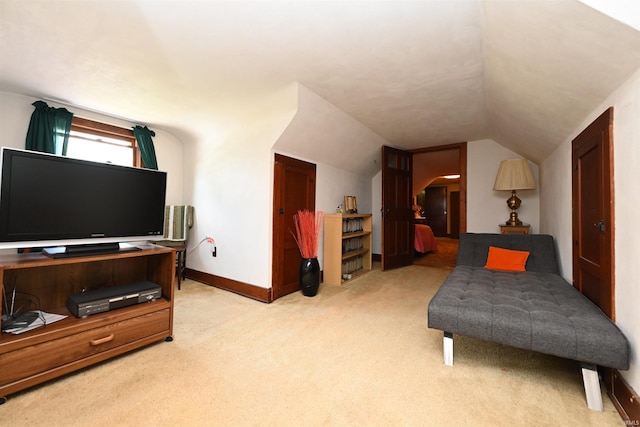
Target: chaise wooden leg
x=448, y=348
x=592, y=387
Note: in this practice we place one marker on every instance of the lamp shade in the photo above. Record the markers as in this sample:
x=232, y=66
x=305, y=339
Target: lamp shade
x=514, y=174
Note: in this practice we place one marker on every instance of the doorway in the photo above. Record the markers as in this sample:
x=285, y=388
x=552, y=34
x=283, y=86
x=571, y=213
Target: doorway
x=459, y=152
x=442, y=197
x=431, y=165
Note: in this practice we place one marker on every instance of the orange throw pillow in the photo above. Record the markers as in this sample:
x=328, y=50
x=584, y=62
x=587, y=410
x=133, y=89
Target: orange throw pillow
x=506, y=259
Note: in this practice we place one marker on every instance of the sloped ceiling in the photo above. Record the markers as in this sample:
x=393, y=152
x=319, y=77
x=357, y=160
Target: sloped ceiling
x=417, y=73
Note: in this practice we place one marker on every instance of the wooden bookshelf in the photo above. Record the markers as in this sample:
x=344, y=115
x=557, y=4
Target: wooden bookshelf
x=347, y=247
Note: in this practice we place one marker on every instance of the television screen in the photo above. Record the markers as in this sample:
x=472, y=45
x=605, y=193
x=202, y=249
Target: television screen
x=52, y=200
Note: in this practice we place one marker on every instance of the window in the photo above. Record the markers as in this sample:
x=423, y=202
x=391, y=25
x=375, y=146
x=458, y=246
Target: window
x=100, y=142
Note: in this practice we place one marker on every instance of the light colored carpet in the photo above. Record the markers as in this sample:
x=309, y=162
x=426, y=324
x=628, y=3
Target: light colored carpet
x=356, y=355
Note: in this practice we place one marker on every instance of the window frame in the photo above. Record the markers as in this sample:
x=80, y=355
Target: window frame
x=100, y=129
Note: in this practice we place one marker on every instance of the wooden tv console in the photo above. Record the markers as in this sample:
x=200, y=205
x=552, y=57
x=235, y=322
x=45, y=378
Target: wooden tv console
x=73, y=343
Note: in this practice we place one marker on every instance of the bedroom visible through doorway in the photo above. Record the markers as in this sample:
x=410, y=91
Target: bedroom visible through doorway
x=439, y=191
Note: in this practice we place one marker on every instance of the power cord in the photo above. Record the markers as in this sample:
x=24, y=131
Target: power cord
x=211, y=242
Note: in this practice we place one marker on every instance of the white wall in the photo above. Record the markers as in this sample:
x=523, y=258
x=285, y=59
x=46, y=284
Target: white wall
x=15, y=114
x=231, y=177
x=229, y=174
x=326, y=134
x=232, y=173
x=555, y=204
x=486, y=209
x=556, y=211
x=333, y=184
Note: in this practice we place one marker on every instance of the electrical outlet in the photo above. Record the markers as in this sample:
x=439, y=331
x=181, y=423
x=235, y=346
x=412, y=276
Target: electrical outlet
x=212, y=242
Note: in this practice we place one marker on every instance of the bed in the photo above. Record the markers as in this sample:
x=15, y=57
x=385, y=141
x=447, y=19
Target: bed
x=424, y=240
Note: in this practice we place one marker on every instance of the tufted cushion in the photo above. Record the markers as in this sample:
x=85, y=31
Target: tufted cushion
x=474, y=248
x=537, y=311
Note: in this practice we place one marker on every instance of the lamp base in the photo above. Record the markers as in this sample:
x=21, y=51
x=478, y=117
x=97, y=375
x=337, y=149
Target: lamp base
x=513, y=220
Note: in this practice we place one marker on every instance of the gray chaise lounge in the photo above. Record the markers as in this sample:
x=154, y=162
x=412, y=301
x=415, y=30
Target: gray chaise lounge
x=535, y=310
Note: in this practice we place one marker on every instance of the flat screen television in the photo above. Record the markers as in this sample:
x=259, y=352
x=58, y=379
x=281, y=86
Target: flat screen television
x=71, y=207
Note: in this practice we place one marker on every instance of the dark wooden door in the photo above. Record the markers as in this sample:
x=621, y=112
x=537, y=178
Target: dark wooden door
x=435, y=201
x=593, y=213
x=397, y=215
x=454, y=215
x=294, y=189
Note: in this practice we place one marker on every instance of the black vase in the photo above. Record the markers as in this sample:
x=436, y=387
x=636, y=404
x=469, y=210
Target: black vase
x=309, y=276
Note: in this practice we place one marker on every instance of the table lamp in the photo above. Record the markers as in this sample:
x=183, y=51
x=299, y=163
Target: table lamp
x=514, y=174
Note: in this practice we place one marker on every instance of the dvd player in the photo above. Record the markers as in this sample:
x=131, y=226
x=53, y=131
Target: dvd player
x=105, y=299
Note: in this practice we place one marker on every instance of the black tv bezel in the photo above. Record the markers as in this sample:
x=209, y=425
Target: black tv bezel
x=72, y=244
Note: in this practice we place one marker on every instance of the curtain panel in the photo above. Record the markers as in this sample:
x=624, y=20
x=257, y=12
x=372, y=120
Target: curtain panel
x=49, y=129
x=145, y=142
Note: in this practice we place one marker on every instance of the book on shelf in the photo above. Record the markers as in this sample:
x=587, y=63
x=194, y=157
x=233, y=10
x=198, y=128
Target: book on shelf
x=352, y=225
x=352, y=265
x=353, y=244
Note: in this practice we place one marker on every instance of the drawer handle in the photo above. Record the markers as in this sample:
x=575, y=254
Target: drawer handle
x=102, y=340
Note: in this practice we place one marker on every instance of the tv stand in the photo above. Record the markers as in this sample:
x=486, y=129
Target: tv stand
x=73, y=343
x=88, y=249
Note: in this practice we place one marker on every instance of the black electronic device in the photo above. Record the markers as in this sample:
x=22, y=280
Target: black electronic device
x=100, y=300
x=14, y=315
x=20, y=321
x=48, y=200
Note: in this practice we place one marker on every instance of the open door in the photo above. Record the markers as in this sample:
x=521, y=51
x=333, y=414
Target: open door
x=397, y=213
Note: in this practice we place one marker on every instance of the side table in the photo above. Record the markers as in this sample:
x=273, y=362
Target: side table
x=517, y=229
x=180, y=246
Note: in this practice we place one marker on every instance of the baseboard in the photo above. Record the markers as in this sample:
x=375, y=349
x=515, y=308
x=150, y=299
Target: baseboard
x=241, y=288
x=624, y=398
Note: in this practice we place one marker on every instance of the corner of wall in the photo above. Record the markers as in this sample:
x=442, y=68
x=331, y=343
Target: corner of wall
x=487, y=208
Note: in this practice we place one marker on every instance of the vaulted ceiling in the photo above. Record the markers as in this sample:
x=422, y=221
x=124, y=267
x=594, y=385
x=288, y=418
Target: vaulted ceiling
x=418, y=73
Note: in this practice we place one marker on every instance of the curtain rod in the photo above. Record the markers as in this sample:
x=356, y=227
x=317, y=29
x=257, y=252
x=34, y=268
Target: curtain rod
x=91, y=110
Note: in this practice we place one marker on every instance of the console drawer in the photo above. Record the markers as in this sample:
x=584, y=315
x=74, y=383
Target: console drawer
x=32, y=360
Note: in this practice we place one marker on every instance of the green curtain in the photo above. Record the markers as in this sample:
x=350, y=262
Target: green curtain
x=147, y=152
x=49, y=129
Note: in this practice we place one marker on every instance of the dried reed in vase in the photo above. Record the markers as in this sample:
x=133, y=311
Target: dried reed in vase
x=307, y=232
